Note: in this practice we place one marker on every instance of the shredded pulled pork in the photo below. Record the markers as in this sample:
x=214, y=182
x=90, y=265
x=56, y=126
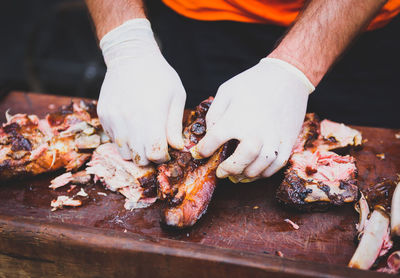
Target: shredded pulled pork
x=136, y=183
x=323, y=166
x=81, y=177
x=31, y=146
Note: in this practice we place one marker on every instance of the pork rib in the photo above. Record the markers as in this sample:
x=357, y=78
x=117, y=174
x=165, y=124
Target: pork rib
x=136, y=183
x=186, y=184
x=317, y=177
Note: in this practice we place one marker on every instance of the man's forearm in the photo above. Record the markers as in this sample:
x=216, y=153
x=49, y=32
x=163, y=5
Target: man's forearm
x=322, y=32
x=109, y=14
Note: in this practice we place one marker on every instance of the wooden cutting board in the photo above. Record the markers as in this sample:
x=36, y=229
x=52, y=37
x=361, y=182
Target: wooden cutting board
x=239, y=235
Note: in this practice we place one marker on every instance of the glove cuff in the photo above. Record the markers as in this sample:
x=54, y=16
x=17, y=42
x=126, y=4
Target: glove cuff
x=132, y=39
x=292, y=69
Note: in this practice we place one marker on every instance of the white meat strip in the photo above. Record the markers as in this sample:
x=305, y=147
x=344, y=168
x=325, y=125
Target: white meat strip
x=363, y=209
x=61, y=180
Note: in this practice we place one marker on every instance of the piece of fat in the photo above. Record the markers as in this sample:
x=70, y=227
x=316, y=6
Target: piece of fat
x=82, y=193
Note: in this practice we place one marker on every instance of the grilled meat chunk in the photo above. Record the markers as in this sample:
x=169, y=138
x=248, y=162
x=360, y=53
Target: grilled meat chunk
x=31, y=146
x=316, y=177
x=325, y=135
x=190, y=196
x=380, y=193
x=187, y=184
x=315, y=180
x=334, y=136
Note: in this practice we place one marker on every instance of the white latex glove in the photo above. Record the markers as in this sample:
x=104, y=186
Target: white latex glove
x=263, y=108
x=142, y=98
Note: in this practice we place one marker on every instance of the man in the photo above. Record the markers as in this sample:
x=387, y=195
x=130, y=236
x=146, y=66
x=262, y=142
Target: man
x=142, y=98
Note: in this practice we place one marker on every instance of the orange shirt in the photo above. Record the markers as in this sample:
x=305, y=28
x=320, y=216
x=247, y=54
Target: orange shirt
x=279, y=12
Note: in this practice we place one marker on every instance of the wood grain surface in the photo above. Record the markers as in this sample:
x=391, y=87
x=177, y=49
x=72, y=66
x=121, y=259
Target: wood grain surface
x=238, y=236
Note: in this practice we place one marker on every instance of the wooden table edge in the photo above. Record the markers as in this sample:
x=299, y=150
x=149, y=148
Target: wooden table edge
x=41, y=235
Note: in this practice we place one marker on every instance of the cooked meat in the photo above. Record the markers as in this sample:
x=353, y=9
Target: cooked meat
x=308, y=134
x=81, y=177
x=64, y=201
x=317, y=178
x=325, y=135
x=136, y=183
x=31, y=146
x=335, y=136
x=380, y=193
x=187, y=184
x=189, y=198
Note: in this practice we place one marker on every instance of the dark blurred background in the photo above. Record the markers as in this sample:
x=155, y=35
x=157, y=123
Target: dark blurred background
x=49, y=46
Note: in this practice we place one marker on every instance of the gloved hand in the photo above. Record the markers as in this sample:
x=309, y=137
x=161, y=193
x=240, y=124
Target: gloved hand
x=142, y=98
x=263, y=108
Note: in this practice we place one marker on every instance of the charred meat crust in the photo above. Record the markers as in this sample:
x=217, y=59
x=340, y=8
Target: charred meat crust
x=194, y=193
x=380, y=193
x=305, y=190
x=149, y=185
x=186, y=184
x=311, y=132
x=294, y=190
x=312, y=138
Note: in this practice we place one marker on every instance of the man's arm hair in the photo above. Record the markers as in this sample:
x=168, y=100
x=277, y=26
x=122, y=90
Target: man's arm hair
x=322, y=32
x=109, y=14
